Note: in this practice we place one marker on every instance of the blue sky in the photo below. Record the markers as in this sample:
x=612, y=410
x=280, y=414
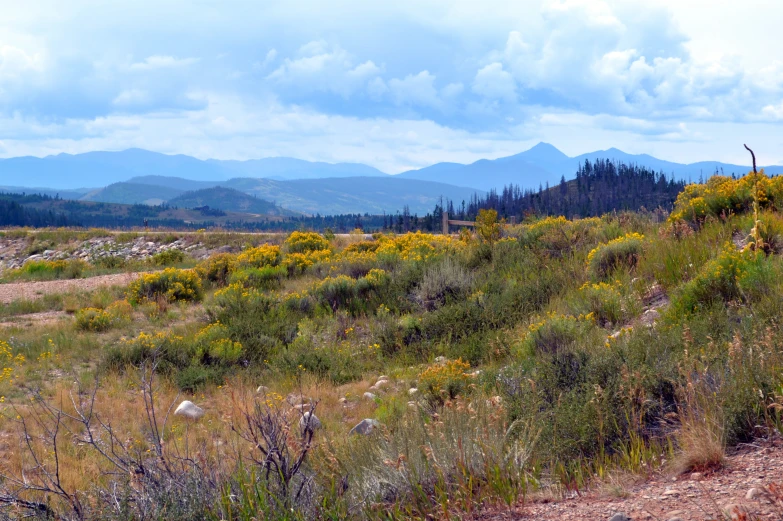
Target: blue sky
x=396, y=85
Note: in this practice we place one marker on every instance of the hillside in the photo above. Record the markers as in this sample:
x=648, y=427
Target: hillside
x=131, y=193
x=227, y=199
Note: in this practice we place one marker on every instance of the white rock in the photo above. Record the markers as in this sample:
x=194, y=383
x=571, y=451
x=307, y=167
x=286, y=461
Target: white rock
x=365, y=427
x=262, y=389
x=189, y=410
x=368, y=396
x=412, y=391
x=440, y=360
x=381, y=383
x=309, y=420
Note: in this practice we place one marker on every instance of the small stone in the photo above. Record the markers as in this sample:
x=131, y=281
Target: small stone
x=262, y=389
x=754, y=493
x=309, y=420
x=412, y=391
x=365, y=427
x=380, y=384
x=619, y=516
x=440, y=359
x=674, y=519
x=671, y=492
x=343, y=400
x=369, y=396
x=696, y=476
x=189, y=410
x=412, y=405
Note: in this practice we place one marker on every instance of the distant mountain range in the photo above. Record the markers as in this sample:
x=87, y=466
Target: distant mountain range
x=97, y=169
x=546, y=164
x=331, y=196
x=141, y=176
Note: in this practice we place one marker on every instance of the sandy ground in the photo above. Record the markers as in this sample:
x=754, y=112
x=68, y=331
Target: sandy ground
x=33, y=290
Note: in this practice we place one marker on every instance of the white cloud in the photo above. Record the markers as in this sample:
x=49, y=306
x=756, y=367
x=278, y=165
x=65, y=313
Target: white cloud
x=162, y=62
x=493, y=82
x=418, y=89
x=321, y=67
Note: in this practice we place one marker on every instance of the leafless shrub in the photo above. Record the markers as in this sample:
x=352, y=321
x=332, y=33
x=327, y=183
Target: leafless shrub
x=139, y=480
x=282, y=439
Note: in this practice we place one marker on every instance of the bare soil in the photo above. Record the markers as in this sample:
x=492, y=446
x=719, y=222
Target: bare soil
x=747, y=488
x=34, y=290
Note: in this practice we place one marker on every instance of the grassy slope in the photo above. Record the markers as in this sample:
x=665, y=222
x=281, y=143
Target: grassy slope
x=560, y=342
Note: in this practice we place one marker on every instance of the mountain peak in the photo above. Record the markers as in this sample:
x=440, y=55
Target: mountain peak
x=542, y=153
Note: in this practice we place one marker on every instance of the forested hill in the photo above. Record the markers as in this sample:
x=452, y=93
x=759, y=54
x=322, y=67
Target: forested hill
x=599, y=187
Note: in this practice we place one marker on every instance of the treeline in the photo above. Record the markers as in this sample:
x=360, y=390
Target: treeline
x=599, y=187
x=12, y=213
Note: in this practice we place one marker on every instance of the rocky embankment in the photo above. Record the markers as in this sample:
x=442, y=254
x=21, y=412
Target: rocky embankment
x=15, y=252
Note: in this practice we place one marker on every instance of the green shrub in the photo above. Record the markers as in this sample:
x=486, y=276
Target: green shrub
x=602, y=301
x=303, y=242
x=621, y=252
x=354, y=295
x=110, y=262
x=214, y=347
x=171, y=352
x=732, y=275
x=52, y=269
x=554, y=333
x=444, y=282
x=170, y=284
x=266, y=277
x=168, y=257
x=217, y=269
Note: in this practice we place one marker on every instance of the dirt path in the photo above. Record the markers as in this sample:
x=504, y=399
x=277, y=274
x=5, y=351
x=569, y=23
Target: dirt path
x=33, y=290
x=740, y=491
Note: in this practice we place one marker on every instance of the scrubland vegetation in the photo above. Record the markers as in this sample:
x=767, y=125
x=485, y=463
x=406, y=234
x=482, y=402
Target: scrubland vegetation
x=517, y=360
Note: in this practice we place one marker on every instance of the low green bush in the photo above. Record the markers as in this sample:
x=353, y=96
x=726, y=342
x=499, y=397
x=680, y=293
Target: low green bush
x=266, y=277
x=621, y=252
x=168, y=257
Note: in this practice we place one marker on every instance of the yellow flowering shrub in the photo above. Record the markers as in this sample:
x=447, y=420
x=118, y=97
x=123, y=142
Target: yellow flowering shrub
x=414, y=246
x=93, y=319
x=604, y=301
x=620, y=252
x=170, y=284
x=732, y=275
x=299, y=262
x=303, y=242
x=442, y=381
x=722, y=195
x=264, y=255
x=8, y=361
x=217, y=269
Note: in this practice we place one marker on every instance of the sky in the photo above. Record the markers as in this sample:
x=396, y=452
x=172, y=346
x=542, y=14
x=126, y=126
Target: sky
x=396, y=85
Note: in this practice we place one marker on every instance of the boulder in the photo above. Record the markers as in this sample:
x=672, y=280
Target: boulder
x=620, y=517
x=365, y=427
x=309, y=420
x=189, y=410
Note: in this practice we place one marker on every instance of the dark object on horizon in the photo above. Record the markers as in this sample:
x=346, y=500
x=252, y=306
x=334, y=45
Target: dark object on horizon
x=754, y=158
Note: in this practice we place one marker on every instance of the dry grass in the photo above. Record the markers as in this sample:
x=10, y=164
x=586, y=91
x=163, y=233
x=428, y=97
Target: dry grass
x=701, y=437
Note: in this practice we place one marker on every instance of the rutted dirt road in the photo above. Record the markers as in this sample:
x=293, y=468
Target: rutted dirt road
x=34, y=290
